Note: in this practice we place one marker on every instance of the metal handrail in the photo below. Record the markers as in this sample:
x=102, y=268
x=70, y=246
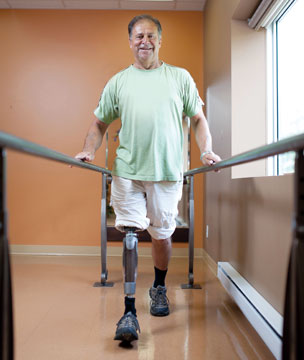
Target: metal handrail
x=17, y=144
x=292, y=143
x=294, y=306
x=293, y=346
x=13, y=142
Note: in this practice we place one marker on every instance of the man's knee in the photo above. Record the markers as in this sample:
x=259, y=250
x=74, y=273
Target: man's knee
x=162, y=242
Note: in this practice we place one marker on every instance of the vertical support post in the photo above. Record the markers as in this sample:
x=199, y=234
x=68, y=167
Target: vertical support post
x=191, y=231
x=103, y=247
x=7, y=330
x=104, y=270
x=293, y=330
x=191, y=284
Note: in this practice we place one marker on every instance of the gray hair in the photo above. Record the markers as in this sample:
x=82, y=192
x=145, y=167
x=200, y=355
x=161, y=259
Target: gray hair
x=144, y=17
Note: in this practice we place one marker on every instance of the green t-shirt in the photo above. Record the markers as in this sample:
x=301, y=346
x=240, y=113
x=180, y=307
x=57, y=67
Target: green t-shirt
x=150, y=104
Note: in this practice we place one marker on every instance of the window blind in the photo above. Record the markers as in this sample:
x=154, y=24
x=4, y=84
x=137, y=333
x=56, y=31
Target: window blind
x=266, y=12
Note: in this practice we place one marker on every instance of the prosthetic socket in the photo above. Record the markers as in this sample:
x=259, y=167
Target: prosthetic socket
x=130, y=260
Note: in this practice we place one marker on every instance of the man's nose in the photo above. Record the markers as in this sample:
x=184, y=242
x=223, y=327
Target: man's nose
x=145, y=39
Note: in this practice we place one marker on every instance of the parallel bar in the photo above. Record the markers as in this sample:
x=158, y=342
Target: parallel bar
x=293, y=345
x=293, y=331
x=191, y=284
x=6, y=307
x=292, y=143
x=18, y=144
x=104, y=270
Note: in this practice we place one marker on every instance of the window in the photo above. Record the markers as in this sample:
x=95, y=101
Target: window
x=267, y=73
x=288, y=63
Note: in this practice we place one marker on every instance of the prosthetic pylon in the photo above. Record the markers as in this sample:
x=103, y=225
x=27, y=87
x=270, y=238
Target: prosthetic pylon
x=130, y=260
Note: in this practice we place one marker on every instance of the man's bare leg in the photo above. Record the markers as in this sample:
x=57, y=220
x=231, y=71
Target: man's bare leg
x=161, y=253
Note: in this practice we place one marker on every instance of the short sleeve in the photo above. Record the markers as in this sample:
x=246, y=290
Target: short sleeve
x=107, y=109
x=192, y=101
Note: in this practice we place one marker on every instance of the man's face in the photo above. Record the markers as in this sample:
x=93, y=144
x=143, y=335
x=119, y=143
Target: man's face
x=145, y=41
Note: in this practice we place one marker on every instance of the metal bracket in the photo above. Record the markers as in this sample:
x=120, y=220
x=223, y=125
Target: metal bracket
x=103, y=281
x=106, y=284
x=191, y=286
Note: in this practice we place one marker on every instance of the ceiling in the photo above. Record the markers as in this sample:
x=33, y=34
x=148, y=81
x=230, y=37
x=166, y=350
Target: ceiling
x=175, y=5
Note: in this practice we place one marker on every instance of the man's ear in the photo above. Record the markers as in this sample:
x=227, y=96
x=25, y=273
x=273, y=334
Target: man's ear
x=130, y=43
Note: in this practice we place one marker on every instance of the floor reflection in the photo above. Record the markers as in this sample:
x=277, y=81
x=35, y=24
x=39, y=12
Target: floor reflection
x=60, y=315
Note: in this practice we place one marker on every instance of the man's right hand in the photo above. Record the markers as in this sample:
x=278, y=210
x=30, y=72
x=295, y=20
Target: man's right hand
x=85, y=156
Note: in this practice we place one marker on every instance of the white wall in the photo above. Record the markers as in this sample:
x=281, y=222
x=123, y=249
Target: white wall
x=248, y=96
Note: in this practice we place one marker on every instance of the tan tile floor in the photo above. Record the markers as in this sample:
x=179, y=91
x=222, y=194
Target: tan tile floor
x=59, y=315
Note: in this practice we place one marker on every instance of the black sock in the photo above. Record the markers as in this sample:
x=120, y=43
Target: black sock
x=130, y=305
x=160, y=276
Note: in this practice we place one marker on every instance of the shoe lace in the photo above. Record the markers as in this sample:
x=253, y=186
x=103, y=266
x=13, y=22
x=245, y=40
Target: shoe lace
x=129, y=320
x=161, y=297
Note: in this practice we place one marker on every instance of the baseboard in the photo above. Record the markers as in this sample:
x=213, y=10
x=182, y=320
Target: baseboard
x=53, y=250
x=210, y=262
x=267, y=322
x=49, y=250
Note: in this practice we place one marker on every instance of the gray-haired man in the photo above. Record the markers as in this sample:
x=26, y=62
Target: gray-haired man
x=150, y=98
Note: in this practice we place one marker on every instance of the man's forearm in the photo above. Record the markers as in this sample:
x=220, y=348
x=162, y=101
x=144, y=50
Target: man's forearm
x=202, y=134
x=203, y=139
x=94, y=137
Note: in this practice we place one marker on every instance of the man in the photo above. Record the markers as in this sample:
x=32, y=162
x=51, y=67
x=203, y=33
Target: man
x=150, y=98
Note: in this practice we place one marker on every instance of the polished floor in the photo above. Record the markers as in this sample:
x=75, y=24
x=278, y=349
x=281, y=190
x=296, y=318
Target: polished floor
x=59, y=315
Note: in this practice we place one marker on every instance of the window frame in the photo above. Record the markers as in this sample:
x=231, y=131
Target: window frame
x=273, y=167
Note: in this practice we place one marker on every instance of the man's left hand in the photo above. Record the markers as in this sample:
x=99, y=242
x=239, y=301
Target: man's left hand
x=210, y=159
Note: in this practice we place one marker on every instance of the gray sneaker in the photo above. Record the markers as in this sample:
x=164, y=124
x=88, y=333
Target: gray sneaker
x=127, y=328
x=159, y=305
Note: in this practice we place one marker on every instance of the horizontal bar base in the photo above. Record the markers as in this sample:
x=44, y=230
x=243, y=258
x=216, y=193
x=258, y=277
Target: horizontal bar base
x=104, y=284
x=191, y=286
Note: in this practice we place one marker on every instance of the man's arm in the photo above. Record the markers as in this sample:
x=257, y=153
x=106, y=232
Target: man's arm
x=93, y=140
x=203, y=139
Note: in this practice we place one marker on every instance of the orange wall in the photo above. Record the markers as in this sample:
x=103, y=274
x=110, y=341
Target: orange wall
x=53, y=66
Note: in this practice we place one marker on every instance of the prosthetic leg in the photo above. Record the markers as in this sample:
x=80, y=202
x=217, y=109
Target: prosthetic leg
x=128, y=326
x=130, y=261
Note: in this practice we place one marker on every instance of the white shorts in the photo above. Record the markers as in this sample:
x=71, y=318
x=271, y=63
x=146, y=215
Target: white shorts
x=146, y=205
